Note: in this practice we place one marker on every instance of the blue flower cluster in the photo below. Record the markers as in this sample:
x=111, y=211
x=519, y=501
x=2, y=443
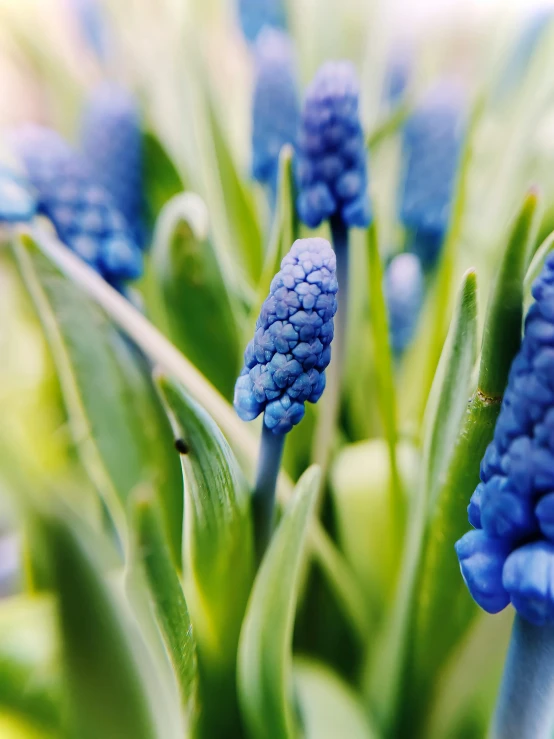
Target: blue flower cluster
x=254, y=15
x=284, y=363
x=331, y=166
x=82, y=212
x=17, y=203
x=404, y=295
x=432, y=140
x=111, y=139
x=275, y=113
x=510, y=555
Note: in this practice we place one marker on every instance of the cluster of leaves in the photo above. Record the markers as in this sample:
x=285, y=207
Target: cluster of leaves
x=142, y=612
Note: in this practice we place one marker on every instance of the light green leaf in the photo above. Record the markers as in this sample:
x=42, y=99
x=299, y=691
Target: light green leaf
x=328, y=707
x=197, y=313
x=265, y=657
x=118, y=424
x=535, y=268
x=166, y=593
x=108, y=695
x=218, y=554
x=30, y=676
x=239, y=202
x=384, y=369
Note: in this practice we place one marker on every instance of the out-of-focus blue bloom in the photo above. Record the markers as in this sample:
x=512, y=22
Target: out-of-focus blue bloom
x=17, y=202
x=82, y=212
x=404, y=295
x=285, y=361
x=331, y=167
x=275, y=113
x=432, y=140
x=254, y=15
x=513, y=506
x=92, y=24
x=111, y=140
x=397, y=76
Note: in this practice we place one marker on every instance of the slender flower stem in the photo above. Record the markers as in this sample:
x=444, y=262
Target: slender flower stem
x=327, y=421
x=263, y=499
x=525, y=705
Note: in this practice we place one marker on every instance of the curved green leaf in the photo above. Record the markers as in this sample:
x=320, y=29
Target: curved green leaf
x=328, y=707
x=197, y=312
x=161, y=179
x=166, y=593
x=109, y=696
x=118, y=424
x=535, y=268
x=265, y=658
x=218, y=554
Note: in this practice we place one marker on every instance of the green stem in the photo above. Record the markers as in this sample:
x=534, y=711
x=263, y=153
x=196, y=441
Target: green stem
x=525, y=705
x=263, y=498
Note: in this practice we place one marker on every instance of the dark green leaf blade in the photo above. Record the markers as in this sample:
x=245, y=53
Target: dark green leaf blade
x=161, y=179
x=265, y=659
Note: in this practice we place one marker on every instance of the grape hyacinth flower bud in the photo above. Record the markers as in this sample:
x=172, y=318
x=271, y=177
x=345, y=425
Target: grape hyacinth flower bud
x=275, y=111
x=111, y=140
x=404, y=295
x=284, y=364
x=510, y=557
x=332, y=157
x=432, y=142
x=17, y=202
x=254, y=15
x=83, y=213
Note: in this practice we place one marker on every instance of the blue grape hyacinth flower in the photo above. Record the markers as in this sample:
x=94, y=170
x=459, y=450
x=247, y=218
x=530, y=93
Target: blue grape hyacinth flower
x=331, y=166
x=111, y=140
x=510, y=555
x=404, y=295
x=254, y=15
x=17, y=202
x=82, y=212
x=284, y=364
x=432, y=143
x=275, y=110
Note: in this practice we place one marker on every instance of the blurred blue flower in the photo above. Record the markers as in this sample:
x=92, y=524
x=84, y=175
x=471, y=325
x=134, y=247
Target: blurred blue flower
x=404, y=295
x=513, y=506
x=397, y=76
x=254, y=15
x=111, y=140
x=275, y=113
x=17, y=202
x=432, y=142
x=82, y=212
x=92, y=24
x=285, y=361
x=331, y=166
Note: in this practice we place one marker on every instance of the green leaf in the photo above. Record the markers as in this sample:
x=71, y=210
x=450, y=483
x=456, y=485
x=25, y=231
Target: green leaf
x=166, y=593
x=502, y=331
x=30, y=677
x=384, y=369
x=441, y=589
x=218, y=554
x=535, y=268
x=389, y=125
x=109, y=697
x=118, y=424
x=265, y=654
x=161, y=179
x=448, y=400
x=328, y=707
x=197, y=312
x=239, y=202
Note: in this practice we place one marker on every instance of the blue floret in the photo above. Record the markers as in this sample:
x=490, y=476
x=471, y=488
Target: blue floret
x=111, y=140
x=82, y=212
x=275, y=111
x=432, y=140
x=404, y=294
x=331, y=167
x=284, y=364
x=513, y=506
x=254, y=15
